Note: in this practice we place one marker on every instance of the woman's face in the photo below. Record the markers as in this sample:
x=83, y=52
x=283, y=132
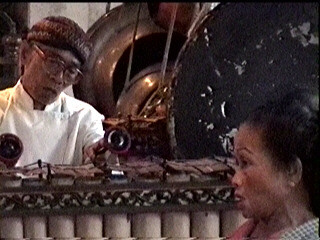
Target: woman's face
x=260, y=187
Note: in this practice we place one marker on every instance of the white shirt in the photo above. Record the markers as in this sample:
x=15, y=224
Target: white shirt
x=56, y=135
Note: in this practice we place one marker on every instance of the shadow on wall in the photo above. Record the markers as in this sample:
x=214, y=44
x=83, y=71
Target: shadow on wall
x=12, y=24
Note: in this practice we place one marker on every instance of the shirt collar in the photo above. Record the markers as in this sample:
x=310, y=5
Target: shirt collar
x=22, y=98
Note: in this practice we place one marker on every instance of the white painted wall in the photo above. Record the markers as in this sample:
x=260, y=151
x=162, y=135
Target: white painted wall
x=84, y=13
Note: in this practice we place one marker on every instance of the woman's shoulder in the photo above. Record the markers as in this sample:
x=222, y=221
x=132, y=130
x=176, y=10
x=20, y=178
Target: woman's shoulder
x=308, y=230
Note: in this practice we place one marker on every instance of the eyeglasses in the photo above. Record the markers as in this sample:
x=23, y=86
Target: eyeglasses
x=54, y=66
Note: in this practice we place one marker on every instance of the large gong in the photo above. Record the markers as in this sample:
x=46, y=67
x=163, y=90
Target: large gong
x=242, y=55
x=112, y=39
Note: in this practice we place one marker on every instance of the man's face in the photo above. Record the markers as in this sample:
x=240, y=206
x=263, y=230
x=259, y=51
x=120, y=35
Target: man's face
x=48, y=71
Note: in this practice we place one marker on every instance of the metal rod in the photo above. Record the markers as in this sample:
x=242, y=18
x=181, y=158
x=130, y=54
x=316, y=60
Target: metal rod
x=164, y=61
x=7, y=19
x=168, y=43
x=108, y=7
x=132, y=45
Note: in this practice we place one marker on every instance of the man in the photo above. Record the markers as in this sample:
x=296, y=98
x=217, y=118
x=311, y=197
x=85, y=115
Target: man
x=52, y=126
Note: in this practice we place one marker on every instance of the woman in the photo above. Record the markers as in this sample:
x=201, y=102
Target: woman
x=277, y=178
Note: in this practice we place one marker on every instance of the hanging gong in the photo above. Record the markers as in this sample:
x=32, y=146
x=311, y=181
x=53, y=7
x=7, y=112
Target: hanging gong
x=240, y=56
x=112, y=38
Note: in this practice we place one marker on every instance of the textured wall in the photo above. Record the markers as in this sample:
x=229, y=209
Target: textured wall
x=85, y=14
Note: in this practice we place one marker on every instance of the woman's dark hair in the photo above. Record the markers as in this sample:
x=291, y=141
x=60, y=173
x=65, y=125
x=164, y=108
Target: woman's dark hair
x=290, y=129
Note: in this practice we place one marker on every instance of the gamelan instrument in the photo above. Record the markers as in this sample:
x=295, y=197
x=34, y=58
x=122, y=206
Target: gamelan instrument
x=174, y=82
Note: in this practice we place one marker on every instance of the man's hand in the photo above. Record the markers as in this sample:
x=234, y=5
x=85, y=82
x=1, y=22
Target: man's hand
x=90, y=153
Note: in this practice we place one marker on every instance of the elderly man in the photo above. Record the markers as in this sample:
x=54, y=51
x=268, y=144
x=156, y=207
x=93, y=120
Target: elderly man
x=52, y=126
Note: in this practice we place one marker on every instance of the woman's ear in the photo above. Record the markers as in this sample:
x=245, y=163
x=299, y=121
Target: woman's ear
x=295, y=172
